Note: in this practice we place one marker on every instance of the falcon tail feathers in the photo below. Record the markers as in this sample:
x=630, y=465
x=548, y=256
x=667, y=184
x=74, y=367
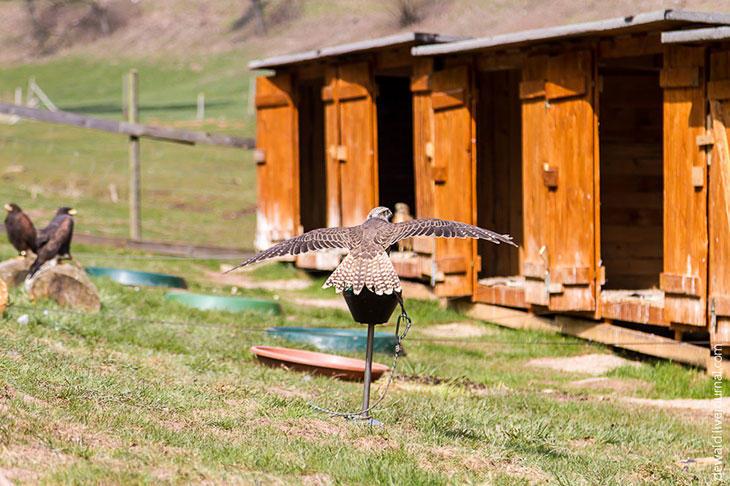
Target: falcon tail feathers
x=377, y=274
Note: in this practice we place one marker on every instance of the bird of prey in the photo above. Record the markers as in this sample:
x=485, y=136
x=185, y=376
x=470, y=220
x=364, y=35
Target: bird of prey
x=367, y=264
x=20, y=229
x=55, y=239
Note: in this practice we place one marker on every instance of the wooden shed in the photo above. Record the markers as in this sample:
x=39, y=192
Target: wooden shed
x=587, y=142
x=335, y=137
x=600, y=146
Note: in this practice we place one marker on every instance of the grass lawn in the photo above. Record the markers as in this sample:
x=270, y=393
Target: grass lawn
x=148, y=391
x=199, y=195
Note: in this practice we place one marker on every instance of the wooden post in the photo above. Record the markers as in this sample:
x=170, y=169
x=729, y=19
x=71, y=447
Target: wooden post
x=200, y=115
x=135, y=221
x=18, y=96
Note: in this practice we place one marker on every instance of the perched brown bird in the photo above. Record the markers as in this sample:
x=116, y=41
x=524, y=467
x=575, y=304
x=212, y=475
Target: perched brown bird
x=367, y=264
x=20, y=229
x=55, y=239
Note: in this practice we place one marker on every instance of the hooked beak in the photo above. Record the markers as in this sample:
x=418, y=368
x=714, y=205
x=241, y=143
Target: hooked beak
x=8, y=208
x=72, y=212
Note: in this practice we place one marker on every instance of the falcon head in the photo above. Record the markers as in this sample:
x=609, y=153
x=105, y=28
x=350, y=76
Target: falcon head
x=380, y=212
x=66, y=210
x=12, y=207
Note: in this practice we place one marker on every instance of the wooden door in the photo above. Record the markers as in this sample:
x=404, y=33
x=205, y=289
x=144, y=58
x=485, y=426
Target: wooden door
x=332, y=151
x=570, y=180
x=558, y=122
x=277, y=169
x=684, y=279
x=452, y=171
x=536, y=194
x=351, y=144
x=719, y=200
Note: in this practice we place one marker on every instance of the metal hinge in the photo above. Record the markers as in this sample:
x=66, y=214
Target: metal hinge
x=713, y=316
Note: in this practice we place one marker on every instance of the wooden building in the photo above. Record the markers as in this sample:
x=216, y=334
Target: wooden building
x=596, y=145
x=335, y=137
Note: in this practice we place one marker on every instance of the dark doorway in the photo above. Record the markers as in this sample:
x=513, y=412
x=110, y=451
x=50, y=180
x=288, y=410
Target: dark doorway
x=630, y=145
x=396, y=181
x=312, y=162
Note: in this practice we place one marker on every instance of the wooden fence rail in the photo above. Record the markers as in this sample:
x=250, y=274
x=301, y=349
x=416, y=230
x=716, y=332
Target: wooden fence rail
x=125, y=128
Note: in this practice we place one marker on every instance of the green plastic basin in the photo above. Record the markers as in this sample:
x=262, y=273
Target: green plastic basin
x=230, y=303
x=135, y=277
x=328, y=339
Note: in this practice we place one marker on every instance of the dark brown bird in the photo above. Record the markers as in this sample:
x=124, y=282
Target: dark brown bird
x=20, y=229
x=55, y=239
x=367, y=264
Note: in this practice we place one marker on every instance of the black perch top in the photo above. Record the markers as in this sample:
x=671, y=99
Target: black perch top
x=367, y=307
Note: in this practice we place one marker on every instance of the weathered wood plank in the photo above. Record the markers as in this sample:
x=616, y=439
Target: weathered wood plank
x=719, y=198
x=124, y=128
x=685, y=206
x=277, y=180
x=452, y=162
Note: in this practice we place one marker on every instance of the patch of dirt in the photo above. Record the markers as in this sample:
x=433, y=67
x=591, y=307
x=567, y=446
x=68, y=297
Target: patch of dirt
x=311, y=429
x=707, y=406
x=457, y=330
x=286, y=393
x=374, y=443
x=618, y=385
x=450, y=460
x=24, y=461
x=427, y=383
x=317, y=480
x=323, y=303
x=592, y=364
x=243, y=282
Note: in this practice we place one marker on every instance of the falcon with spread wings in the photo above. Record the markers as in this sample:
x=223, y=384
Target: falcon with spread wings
x=367, y=264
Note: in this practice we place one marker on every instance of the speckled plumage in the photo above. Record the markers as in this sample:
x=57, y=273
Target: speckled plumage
x=367, y=265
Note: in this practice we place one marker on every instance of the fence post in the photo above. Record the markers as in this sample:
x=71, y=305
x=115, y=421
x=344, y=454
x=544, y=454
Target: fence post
x=200, y=115
x=135, y=218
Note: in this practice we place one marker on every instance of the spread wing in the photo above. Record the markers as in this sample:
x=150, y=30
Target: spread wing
x=319, y=239
x=441, y=228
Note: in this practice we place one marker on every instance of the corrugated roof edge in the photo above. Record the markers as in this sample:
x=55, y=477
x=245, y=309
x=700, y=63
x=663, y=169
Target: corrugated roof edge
x=696, y=35
x=572, y=30
x=351, y=47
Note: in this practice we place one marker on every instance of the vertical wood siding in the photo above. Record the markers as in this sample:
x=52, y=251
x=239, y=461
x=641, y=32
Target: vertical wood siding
x=452, y=174
x=277, y=172
x=719, y=199
x=684, y=279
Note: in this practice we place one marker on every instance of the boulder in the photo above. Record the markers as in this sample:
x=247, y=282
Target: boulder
x=14, y=270
x=67, y=284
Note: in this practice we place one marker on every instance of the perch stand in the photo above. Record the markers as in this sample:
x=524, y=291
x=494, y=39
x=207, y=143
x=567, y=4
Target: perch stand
x=371, y=309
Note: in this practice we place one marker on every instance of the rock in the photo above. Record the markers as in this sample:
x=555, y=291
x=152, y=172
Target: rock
x=3, y=296
x=67, y=284
x=14, y=271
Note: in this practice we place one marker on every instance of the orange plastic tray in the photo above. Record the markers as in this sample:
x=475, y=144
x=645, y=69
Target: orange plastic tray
x=317, y=363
